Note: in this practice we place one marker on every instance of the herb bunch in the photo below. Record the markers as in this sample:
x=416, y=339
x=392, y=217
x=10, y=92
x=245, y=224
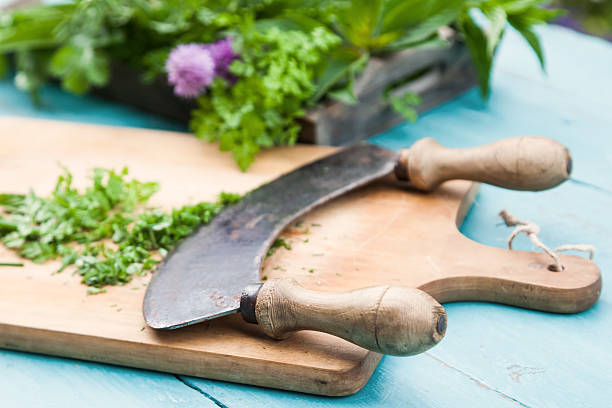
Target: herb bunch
x=105, y=231
x=290, y=54
x=273, y=78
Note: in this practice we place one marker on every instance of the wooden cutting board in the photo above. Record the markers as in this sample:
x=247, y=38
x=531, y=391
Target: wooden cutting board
x=381, y=234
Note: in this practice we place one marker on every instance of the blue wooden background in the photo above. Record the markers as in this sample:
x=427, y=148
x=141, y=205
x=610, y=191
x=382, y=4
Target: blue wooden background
x=492, y=355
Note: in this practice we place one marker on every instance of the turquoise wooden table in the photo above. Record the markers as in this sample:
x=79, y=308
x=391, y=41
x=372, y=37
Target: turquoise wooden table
x=492, y=355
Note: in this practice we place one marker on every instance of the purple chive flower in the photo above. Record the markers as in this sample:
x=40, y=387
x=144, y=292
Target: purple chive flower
x=222, y=53
x=191, y=69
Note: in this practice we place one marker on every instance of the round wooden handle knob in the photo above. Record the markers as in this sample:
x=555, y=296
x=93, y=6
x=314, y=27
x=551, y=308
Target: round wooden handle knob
x=385, y=319
x=519, y=163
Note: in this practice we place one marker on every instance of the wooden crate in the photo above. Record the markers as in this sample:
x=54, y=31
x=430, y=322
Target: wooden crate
x=437, y=74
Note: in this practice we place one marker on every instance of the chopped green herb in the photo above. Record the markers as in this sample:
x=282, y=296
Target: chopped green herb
x=92, y=290
x=75, y=226
x=311, y=271
x=338, y=274
x=11, y=264
x=263, y=278
x=278, y=242
x=142, y=328
x=306, y=240
x=314, y=224
x=299, y=224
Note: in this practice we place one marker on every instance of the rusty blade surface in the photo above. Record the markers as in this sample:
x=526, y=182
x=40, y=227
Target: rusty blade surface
x=204, y=276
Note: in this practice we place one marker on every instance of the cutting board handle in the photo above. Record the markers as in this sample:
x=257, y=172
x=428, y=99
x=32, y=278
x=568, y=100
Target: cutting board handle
x=385, y=319
x=518, y=163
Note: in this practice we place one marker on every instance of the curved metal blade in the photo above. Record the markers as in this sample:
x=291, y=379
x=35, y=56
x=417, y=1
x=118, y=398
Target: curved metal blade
x=204, y=276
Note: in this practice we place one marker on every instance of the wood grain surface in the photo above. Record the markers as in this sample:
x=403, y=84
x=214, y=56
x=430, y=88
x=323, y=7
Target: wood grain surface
x=383, y=234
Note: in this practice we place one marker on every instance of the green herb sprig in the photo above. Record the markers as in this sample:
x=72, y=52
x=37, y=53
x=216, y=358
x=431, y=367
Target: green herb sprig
x=105, y=231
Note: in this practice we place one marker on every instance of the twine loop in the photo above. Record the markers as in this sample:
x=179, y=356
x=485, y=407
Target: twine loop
x=532, y=230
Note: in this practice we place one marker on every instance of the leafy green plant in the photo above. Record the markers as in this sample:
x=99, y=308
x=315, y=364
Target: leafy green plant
x=378, y=27
x=523, y=15
x=76, y=42
x=292, y=53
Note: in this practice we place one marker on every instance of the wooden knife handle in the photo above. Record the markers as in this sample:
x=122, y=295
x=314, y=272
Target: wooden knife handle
x=518, y=163
x=385, y=319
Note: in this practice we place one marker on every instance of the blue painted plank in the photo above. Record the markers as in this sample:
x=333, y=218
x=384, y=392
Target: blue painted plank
x=544, y=360
x=577, y=65
x=29, y=380
x=59, y=105
x=492, y=355
x=419, y=381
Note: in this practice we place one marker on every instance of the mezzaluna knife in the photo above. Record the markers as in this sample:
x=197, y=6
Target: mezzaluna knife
x=215, y=271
